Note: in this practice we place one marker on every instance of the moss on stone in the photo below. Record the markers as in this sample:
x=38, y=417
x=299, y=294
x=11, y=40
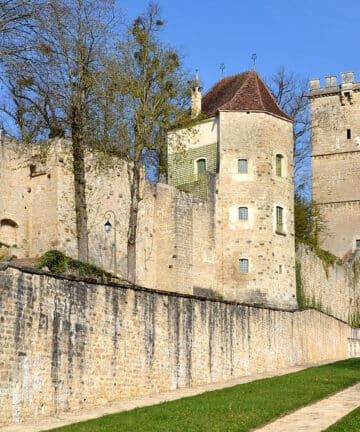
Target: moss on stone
x=328, y=259
x=57, y=262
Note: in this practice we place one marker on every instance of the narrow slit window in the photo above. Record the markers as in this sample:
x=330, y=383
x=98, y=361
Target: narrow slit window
x=279, y=165
x=243, y=213
x=348, y=133
x=243, y=265
x=358, y=244
x=201, y=167
x=279, y=219
x=242, y=166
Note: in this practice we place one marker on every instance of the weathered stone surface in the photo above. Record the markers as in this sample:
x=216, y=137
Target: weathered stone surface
x=334, y=288
x=67, y=344
x=336, y=161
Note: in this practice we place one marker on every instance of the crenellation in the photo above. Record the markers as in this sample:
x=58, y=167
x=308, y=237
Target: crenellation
x=347, y=78
x=330, y=81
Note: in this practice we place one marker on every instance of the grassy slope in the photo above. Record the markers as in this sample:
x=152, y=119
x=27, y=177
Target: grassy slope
x=350, y=423
x=238, y=408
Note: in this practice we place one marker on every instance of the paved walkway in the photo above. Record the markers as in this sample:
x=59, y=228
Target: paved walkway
x=318, y=416
x=342, y=405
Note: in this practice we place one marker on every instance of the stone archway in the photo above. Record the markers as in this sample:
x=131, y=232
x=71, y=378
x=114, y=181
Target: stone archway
x=8, y=232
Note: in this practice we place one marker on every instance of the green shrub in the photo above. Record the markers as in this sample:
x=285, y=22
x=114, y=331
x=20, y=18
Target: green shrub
x=57, y=262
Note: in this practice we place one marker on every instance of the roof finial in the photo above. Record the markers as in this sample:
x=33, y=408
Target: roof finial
x=222, y=68
x=196, y=80
x=196, y=96
x=253, y=58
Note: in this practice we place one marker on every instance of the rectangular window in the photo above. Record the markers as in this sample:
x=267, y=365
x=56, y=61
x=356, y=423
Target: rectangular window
x=279, y=219
x=243, y=265
x=242, y=166
x=201, y=167
x=348, y=133
x=358, y=244
x=279, y=159
x=243, y=213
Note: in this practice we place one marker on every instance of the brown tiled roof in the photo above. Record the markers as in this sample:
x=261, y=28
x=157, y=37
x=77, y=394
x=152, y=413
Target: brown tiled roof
x=242, y=92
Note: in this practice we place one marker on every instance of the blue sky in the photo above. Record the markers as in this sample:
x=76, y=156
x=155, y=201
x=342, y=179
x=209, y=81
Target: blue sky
x=312, y=38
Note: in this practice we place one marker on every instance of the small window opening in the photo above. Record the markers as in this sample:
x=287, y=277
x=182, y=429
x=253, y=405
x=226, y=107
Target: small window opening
x=243, y=213
x=279, y=219
x=348, y=133
x=280, y=268
x=279, y=165
x=358, y=244
x=201, y=167
x=242, y=166
x=243, y=265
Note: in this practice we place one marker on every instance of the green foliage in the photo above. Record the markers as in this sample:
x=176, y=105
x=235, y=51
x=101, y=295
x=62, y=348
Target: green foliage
x=240, y=408
x=57, y=262
x=147, y=92
x=308, y=221
x=356, y=270
x=349, y=423
x=300, y=295
x=355, y=316
x=355, y=319
x=328, y=259
x=303, y=301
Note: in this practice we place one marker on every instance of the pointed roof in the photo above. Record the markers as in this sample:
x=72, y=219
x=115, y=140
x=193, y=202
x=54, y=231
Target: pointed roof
x=243, y=92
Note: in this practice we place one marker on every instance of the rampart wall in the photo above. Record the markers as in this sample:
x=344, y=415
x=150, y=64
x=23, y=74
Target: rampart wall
x=175, y=241
x=67, y=344
x=333, y=288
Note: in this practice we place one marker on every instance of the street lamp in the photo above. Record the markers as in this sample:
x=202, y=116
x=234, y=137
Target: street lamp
x=108, y=227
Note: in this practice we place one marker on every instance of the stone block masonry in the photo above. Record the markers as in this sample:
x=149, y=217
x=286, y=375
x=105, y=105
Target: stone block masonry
x=333, y=288
x=67, y=344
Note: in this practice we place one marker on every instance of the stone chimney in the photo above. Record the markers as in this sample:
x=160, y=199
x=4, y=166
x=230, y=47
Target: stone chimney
x=196, y=96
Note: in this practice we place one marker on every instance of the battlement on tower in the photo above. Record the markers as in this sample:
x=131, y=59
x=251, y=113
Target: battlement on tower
x=345, y=87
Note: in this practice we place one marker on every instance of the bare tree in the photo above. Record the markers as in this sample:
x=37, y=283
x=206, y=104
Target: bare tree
x=149, y=93
x=290, y=91
x=17, y=22
x=56, y=82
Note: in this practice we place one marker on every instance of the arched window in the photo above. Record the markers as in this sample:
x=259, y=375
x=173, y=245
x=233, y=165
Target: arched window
x=279, y=165
x=243, y=265
x=243, y=213
x=201, y=167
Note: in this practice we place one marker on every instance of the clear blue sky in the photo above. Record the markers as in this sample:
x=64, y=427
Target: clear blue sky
x=312, y=38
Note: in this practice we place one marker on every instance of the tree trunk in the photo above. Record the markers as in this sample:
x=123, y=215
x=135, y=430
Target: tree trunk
x=133, y=217
x=78, y=150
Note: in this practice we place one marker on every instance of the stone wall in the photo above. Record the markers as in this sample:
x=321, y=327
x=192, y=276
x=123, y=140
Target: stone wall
x=258, y=138
x=333, y=288
x=175, y=241
x=335, y=128
x=68, y=344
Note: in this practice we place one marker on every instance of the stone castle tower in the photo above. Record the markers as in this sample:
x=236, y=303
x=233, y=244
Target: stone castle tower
x=336, y=160
x=246, y=143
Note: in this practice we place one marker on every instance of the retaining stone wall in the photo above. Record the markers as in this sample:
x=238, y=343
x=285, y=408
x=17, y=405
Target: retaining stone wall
x=67, y=344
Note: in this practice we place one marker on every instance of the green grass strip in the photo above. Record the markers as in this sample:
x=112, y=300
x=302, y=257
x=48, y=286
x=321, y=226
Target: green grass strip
x=350, y=423
x=238, y=408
